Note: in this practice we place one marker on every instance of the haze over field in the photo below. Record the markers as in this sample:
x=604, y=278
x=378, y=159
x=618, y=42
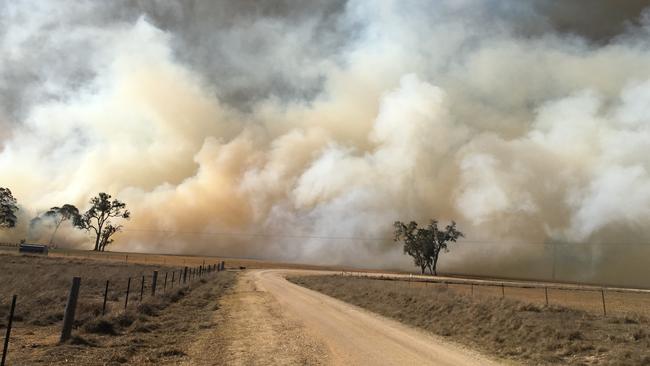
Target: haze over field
x=526, y=122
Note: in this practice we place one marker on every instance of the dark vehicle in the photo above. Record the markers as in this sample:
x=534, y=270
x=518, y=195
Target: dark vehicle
x=33, y=248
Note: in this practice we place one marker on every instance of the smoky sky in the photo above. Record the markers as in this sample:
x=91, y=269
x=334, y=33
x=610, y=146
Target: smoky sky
x=525, y=121
x=204, y=32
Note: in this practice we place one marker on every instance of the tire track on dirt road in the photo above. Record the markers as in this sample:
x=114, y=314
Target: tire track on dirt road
x=252, y=329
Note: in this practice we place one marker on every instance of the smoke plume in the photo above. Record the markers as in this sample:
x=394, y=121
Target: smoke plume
x=300, y=132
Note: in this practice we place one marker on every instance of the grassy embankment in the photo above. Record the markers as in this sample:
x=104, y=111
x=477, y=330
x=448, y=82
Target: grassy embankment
x=157, y=330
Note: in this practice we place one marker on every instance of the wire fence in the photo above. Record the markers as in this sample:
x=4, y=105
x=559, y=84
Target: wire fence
x=116, y=296
x=596, y=299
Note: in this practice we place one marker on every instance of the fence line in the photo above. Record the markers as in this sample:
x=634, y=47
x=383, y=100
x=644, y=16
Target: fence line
x=502, y=285
x=199, y=273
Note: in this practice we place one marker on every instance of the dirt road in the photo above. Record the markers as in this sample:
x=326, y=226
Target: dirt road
x=282, y=323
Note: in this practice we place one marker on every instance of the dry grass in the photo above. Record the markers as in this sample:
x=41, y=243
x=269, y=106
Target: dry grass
x=42, y=285
x=522, y=331
x=180, y=260
x=154, y=331
x=617, y=303
x=620, y=302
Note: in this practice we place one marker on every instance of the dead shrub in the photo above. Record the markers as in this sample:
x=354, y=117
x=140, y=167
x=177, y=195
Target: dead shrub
x=124, y=319
x=100, y=326
x=172, y=353
x=143, y=326
x=177, y=294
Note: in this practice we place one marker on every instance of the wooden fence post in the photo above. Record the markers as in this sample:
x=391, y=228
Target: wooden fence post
x=105, y=295
x=126, y=299
x=10, y=321
x=546, y=294
x=70, y=308
x=154, y=281
x=472, y=289
x=602, y=294
x=173, y=275
x=503, y=291
x=185, y=275
x=141, y=288
x=165, y=283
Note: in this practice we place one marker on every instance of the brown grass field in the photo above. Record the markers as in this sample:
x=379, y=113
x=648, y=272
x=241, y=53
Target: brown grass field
x=571, y=330
x=587, y=298
x=156, y=330
x=517, y=330
x=617, y=303
x=178, y=260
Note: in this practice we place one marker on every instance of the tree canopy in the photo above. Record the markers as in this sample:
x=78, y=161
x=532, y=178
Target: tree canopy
x=8, y=208
x=425, y=244
x=98, y=219
x=66, y=212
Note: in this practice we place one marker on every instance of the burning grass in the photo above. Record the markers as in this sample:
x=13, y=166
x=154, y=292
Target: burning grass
x=525, y=332
x=154, y=331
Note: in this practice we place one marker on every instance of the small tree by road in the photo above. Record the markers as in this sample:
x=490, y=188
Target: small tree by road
x=425, y=244
x=8, y=209
x=98, y=219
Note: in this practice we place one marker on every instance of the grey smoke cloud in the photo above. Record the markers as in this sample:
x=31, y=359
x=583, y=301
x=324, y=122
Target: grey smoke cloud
x=522, y=121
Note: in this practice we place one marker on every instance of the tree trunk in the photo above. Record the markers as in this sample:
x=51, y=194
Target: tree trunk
x=54, y=233
x=96, y=243
x=435, y=264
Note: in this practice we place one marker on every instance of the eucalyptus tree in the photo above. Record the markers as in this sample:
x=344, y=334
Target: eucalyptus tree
x=425, y=244
x=99, y=219
x=8, y=209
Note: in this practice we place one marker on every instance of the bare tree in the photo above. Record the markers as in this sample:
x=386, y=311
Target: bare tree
x=8, y=208
x=61, y=214
x=98, y=219
x=425, y=244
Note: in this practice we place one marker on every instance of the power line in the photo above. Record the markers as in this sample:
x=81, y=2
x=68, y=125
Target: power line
x=360, y=238
x=261, y=235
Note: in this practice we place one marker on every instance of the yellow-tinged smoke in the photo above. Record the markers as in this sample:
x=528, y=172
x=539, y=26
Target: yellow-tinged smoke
x=522, y=140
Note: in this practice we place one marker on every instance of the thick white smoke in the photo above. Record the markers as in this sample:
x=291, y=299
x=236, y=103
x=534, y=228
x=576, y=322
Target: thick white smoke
x=378, y=111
